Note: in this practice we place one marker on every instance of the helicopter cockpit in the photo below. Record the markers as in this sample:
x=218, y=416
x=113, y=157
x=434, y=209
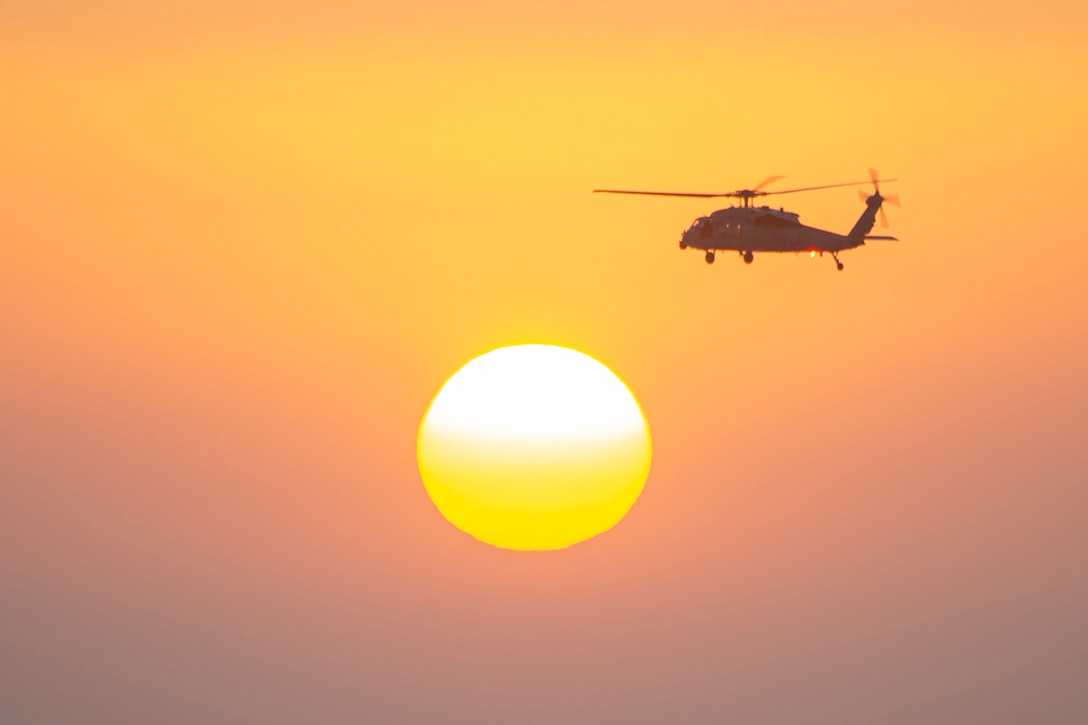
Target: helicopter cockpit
x=703, y=226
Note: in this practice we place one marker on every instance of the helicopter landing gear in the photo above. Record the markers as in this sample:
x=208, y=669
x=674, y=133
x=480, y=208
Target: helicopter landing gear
x=710, y=257
x=748, y=257
x=838, y=264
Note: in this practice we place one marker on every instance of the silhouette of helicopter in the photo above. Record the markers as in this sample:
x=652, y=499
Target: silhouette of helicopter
x=748, y=229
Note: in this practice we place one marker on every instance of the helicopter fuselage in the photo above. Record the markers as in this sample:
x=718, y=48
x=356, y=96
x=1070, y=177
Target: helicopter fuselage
x=762, y=229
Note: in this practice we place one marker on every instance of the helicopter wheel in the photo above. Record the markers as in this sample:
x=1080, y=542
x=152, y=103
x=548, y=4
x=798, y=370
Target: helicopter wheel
x=839, y=265
x=710, y=257
x=748, y=257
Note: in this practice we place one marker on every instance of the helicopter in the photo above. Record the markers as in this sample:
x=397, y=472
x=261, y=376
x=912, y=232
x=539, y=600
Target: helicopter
x=748, y=229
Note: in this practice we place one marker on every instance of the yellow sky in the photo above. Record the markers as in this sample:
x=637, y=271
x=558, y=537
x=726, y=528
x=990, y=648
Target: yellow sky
x=242, y=248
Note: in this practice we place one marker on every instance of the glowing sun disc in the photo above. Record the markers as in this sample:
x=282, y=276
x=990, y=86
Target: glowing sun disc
x=534, y=447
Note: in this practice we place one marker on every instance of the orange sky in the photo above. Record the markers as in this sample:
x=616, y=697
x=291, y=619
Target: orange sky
x=243, y=248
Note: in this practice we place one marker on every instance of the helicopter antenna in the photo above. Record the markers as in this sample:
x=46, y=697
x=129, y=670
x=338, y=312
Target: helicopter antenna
x=746, y=195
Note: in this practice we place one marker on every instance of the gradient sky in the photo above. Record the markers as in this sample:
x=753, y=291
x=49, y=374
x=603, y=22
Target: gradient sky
x=243, y=245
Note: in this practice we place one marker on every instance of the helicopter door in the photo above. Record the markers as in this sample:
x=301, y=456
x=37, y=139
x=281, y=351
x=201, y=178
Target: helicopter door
x=706, y=229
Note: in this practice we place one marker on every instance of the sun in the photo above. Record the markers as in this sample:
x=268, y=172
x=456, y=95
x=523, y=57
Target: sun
x=534, y=447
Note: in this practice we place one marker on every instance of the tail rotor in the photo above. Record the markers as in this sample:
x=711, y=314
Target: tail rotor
x=891, y=198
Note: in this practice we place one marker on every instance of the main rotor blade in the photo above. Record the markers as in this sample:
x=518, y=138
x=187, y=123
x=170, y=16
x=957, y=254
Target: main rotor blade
x=768, y=180
x=827, y=186
x=740, y=193
x=659, y=193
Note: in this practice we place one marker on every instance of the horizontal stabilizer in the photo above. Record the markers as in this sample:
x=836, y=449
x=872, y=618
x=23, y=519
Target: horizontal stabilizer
x=876, y=236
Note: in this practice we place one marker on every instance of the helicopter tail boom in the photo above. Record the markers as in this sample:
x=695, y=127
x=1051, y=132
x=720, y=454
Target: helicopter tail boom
x=867, y=219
